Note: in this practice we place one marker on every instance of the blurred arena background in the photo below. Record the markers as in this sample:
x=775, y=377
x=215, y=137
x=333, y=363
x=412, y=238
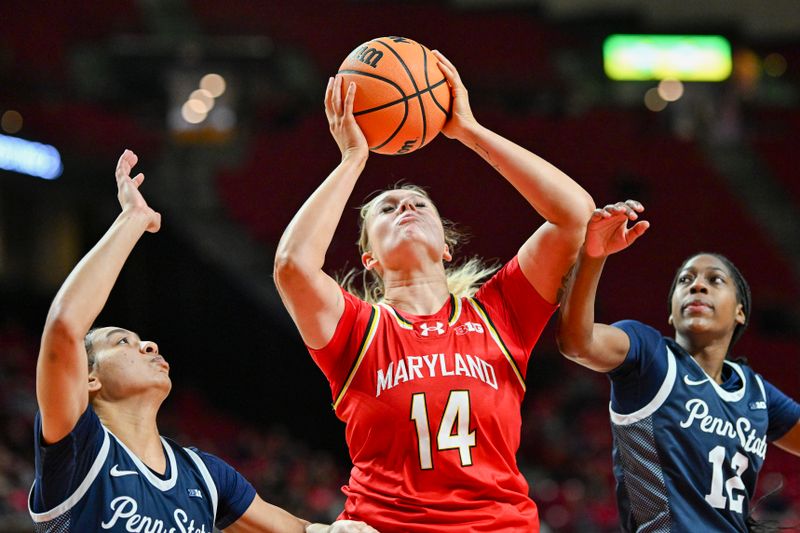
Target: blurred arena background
x=715, y=168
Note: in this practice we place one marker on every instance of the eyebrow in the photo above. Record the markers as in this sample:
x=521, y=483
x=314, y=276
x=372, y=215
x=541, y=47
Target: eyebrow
x=695, y=269
x=120, y=330
x=394, y=197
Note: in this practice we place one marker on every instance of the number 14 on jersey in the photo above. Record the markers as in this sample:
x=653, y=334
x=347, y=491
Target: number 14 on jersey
x=453, y=433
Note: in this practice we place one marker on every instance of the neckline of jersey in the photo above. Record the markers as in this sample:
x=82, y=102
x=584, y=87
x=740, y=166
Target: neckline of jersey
x=410, y=318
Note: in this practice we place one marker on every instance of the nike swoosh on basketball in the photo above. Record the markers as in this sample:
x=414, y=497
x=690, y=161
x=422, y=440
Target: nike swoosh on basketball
x=116, y=472
x=692, y=382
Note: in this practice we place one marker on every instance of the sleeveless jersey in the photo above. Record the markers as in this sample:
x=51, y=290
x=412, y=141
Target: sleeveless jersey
x=687, y=458
x=432, y=408
x=119, y=493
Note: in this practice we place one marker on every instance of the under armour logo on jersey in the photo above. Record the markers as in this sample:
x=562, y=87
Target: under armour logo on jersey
x=116, y=472
x=425, y=329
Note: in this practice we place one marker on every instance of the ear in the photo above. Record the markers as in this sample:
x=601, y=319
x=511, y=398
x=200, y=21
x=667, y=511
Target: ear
x=741, y=318
x=447, y=256
x=368, y=260
x=94, y=383
x=669, y=320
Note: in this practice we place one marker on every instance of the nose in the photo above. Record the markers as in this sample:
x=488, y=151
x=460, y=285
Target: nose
x=148, y=347
x=698, y=285
x=407, y=204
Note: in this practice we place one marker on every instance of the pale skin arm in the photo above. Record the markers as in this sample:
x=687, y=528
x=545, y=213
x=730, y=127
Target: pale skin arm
x=548, y=254
x=263, y=517
x=62, y=369
x=311, y=296
x=593, y=345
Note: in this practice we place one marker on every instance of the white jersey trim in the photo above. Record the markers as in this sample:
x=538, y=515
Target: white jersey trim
x=761, y=386
x=728, y=396
x=212, y=487
x=70, y=502
x=160, y=484
x=655, y=403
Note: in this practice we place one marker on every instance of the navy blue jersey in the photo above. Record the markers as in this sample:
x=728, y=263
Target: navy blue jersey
x=90, y=481
x=687, y=451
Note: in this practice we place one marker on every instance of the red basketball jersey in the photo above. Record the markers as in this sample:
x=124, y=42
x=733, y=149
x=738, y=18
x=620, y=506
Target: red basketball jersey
x=432, y=408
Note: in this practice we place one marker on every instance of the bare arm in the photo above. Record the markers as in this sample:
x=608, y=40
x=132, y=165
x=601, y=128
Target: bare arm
x=596, y=346
x=791, y=441
x=566, y=207
x=263, y=517
x=62, y=368
x=313, y=298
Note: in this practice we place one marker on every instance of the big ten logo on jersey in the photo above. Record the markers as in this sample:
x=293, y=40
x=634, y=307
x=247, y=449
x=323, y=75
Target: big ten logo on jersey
x=369, y=56
x=469, y=327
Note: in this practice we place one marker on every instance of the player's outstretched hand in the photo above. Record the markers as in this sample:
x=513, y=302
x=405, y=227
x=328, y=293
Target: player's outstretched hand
x=128, y=194
x=351, y=526
x=342, y=123
x=608, y=231
x=461, y=116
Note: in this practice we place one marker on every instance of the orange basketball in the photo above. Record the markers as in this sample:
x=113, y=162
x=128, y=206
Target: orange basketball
x=402, y=98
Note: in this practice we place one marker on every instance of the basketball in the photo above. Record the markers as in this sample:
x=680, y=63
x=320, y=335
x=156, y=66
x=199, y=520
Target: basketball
x=402, y=98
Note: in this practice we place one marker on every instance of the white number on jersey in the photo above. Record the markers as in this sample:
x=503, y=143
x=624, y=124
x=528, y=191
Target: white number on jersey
x=453, y=431
x=739, y=463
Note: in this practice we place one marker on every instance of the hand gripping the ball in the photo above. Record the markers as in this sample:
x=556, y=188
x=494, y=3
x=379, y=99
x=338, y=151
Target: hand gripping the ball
x=461, y=117
x=342, y=123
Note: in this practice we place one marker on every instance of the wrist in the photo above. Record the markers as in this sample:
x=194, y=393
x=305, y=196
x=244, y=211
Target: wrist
x=356, y=157
x=589, y=254
x=470, y=132
x=135, y=214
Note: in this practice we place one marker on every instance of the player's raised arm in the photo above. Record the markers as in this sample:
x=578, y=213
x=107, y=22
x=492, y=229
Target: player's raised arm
x=596, y=346
x=566, y=207
x=313, y=298
x=62, y=369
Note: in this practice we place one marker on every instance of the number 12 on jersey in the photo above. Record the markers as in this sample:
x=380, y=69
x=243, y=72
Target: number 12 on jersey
x=453, y=431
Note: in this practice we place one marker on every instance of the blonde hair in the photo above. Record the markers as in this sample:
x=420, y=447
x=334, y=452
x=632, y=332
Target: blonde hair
x=463, y=278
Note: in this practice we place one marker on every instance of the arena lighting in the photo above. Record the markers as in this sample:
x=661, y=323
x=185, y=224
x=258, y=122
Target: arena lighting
x=31, y=158
x=656, y=57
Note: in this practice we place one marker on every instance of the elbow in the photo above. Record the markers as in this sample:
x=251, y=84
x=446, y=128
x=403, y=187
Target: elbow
x=587, y=205
x=575, y=214
x=568, y=349
x=287, y=268
x=573, y=347
x=583, y=206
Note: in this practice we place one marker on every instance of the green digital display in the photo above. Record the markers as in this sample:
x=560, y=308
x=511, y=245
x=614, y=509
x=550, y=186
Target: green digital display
x=658, y=57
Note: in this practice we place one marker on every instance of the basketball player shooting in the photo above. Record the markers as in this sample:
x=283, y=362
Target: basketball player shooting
x=428, y=370
x=101, y=464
